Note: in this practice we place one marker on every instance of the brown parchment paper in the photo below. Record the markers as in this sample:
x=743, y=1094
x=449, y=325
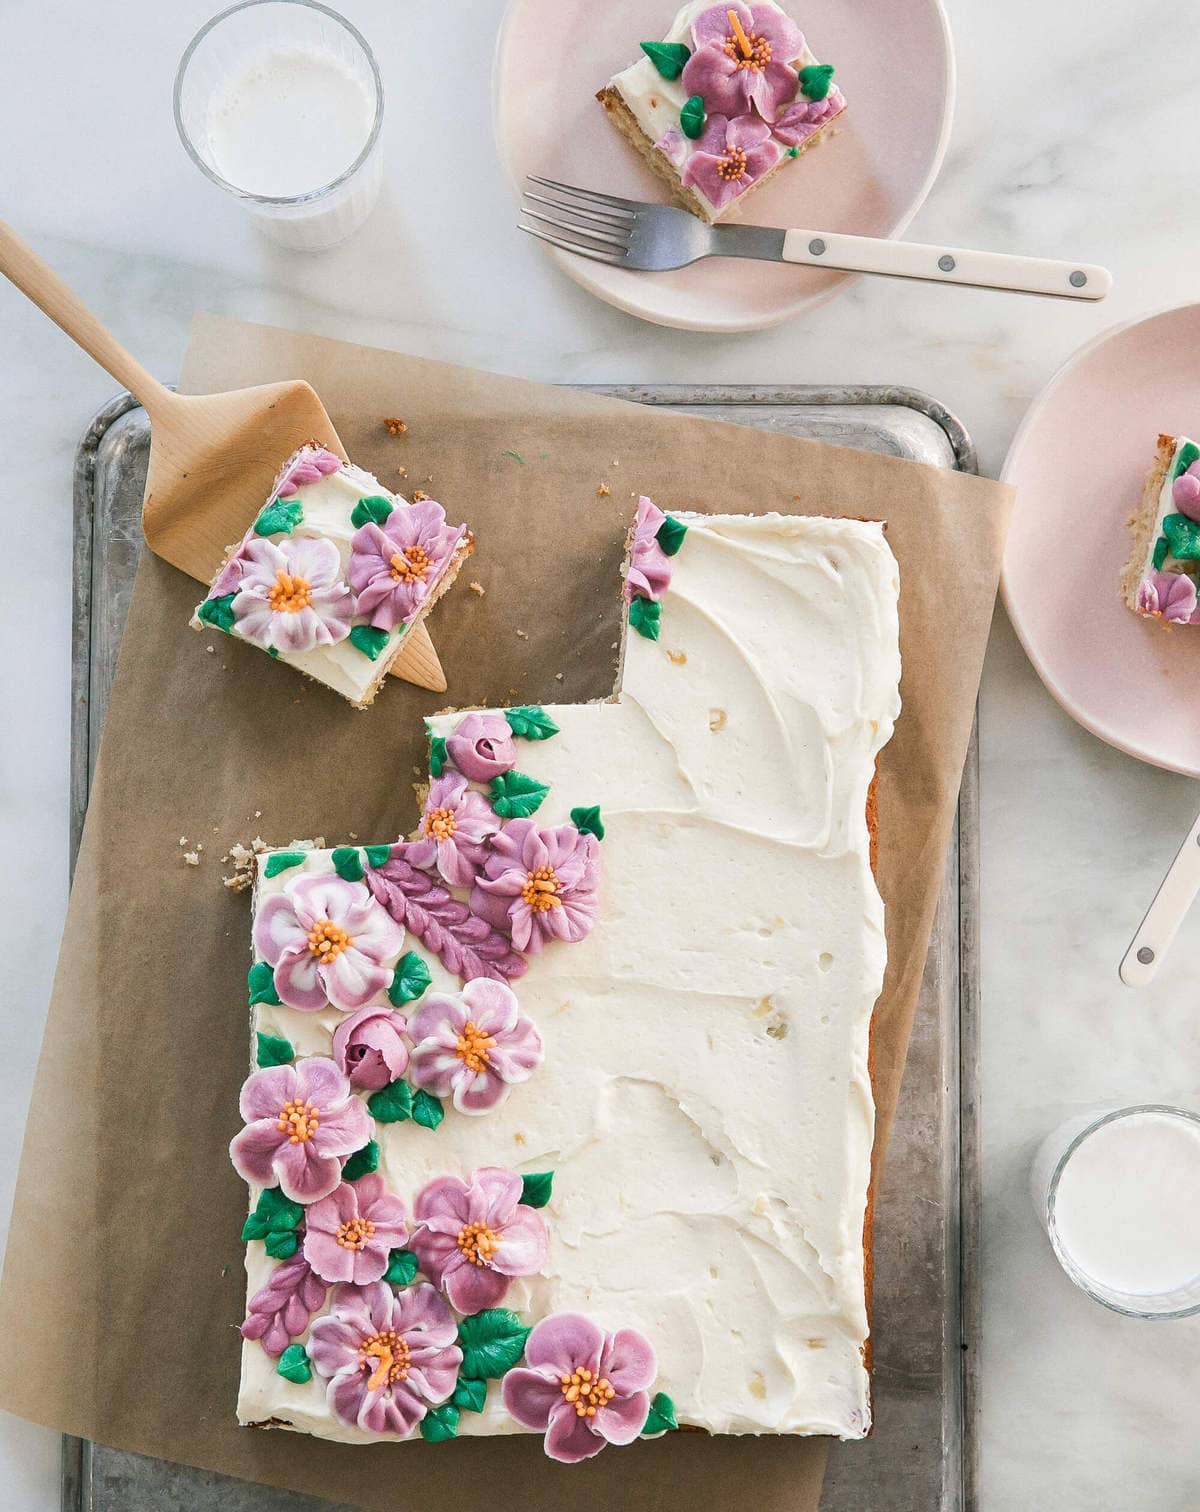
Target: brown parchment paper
x=123, y=1284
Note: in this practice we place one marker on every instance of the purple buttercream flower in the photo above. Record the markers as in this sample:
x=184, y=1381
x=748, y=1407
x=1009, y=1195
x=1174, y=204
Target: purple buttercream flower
x=473, y=1044
x=585, y=1387
x=804, y=118
x=473, y=1237
x=300, y=1121
x=289, y=595
x=454, y=830
x=309, y=465
x=539, y=884
x=349, y=1234
x=230, y=575
x=1168, y=596
x=395, y=566
x=369, y=1047
x=279, y=1311
x=1185, y=492
x=649, y=572
x=737, y=68
x=728, y=156
x=482, y=747
x=388, y=1356
x=326, y=938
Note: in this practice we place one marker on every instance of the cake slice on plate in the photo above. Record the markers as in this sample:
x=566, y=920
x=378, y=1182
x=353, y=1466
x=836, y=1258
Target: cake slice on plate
x=1159, y=580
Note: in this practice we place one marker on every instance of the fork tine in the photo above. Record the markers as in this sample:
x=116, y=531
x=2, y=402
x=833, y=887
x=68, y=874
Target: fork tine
x=614, y=258
x=593, y=232
x=599, y=216
x=625, y=207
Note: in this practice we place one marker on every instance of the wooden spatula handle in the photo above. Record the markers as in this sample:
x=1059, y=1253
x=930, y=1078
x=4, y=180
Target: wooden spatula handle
x=22, y=266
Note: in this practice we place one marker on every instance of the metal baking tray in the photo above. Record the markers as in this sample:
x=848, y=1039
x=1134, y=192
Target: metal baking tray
x=920, y=1454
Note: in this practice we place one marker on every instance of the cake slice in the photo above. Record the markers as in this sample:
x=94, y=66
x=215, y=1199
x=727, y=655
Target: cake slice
x=1159, y=580
x=334, y=572
x=728, y=97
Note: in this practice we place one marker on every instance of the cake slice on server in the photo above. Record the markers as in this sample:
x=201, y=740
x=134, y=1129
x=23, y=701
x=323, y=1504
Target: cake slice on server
x=563, y=1115
x=1159, y=581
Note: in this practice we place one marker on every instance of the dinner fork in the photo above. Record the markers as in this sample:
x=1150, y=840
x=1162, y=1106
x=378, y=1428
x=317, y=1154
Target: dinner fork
x=634, y=234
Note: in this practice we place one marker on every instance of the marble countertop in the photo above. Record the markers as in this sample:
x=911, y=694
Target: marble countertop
x=1067, y=142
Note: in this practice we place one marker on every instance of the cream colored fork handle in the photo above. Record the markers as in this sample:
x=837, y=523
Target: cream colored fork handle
x=951, y=265
x=1176, y=894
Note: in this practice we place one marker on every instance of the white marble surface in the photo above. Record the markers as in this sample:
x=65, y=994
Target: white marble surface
x=1075, y=136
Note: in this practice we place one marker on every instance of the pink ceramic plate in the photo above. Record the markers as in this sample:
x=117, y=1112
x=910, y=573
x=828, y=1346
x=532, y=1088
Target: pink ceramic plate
x=894, y=62
x=1078, y=462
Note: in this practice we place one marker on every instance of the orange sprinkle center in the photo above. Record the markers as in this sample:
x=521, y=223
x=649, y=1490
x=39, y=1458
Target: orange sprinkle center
x=391, y=1353
x=732, y=163
x=751, y=52
x=473, y=1046
x=540, y=889
x=354, y=1233
x=299, y=1120
x=478, y=1242
x=440, y=823
x=586, y=1392
x=289, y=594
x=327, y=940
x=412, y=564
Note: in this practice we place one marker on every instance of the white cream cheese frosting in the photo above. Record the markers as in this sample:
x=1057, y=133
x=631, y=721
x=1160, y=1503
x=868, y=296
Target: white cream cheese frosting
x=704, y=1100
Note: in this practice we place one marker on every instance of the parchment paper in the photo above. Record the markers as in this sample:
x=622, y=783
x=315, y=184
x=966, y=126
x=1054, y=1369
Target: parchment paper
x=123, y=1285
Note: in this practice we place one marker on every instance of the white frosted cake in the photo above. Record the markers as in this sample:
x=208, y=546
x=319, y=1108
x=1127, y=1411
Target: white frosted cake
x=564, y=1119
x=1161, y=577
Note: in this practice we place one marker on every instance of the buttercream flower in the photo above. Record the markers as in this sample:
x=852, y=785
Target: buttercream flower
x=349, y=1234
x=230, y=575
x=369, y=1047
x=473, y=1044
x=539, y=884
x=310, y=465
x=473, y=1237
x=395, y=566
x=649, y=573
x=300, y=1122
x=804, y=118
x=290, y=593
x=454, y=828
x=1169, y=596
x=585, y=1387
x=729, y=156
x=326, y=939
x=1185, y=492
x=737, y=67
x=388, y=1356
x=482, y=747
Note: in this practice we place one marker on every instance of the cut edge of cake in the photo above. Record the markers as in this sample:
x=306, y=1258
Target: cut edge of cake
x=1143, y=520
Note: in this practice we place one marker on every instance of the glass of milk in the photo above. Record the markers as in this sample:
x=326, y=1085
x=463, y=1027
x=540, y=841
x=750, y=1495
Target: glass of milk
x=280, y=103
x=1119, y=1195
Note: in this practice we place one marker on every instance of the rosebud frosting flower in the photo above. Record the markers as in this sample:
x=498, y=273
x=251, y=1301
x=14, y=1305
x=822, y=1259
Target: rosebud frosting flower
x=471, y=1238
x=289, y=595
x=1185, y=492
x=473, y=1044
x=736, y=67
x=388, y=1355
x=649, y=574
x=300, y=1121
x=310, y=465
x=456, y=823
x=279, y=1311
x=585, y=1387
x=482, y=747
x=369, y=1047
x=349, y=1234
x=729, y=156
x=1169, y=596
x=804, y=118
x=539, y=884
x=395, y=566
x=326, y=939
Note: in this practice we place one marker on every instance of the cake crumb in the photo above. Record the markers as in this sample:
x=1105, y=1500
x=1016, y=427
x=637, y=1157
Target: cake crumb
x=419, y=495
x=353, y=835
x=815, y=1343
x=765, y=1006
x=678, y=658
x=402, y=472
x=558, y=676
x=258, y=813
x=199, y=847
x=395, y=426
x=191, y=858
x=518, y=1138
x=758, y=1386
x=183, y=839
x=523, y=634
x=477, y=588
x=210, y=649
x=716, y=719
x=603, y=491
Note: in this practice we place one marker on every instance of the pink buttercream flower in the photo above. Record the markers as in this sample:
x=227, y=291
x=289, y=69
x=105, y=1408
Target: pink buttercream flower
x=388, y=1355
x=369, y=1047
x=735, y=69
x=649, y=573
x=230, y=576
x=728, y=156
x=290, y=595
x=804, y=118
x=1185, y=492
x=482, y=747
x=395, y=566
x=309, y=465
x=473, y=1237
x=585, y=1387
x=473, y=1044
x=1169, y=596
x=349, y=1234
x=326, y=939
x=539, y=884
x=301, y=1121
x=454, y=830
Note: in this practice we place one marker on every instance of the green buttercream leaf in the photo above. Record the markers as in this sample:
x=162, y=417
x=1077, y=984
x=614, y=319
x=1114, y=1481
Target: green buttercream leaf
x=492, y=1342
x=531, y=722
x=281, y=861
x=274, y=1214
x=661, y=1417
x=402, y=1267
x=588, y=821
x=274, y=1050
x=273, y=651
x=535, y=1188
x=254, y=1227
x=792, y=152
x=280, y=518
x=260, y=979
x=348, y=863
x=516, y=796
x=815, y=79
x=409, y=980
x=668, y=57
x=427, y=1110
x=378, y=855
x=470, y=1395
x=375, y=509
x=437, y=756
x=645, y=616
x=670, y=534
x=692, y=117
x=1183, y=537
x=1189, y=452
x=218, y=612
x=369, y=640
x=362, y=1162
x=1161, y=547
x=282, y=1246
x=294, y=1366
x=391, y=1104
x=440, y=1423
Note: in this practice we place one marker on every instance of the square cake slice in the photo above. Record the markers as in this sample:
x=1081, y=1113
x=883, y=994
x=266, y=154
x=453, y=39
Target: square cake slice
x=1159, y=581
x=334, y=572
x=729, y=96
x=563, y=1113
